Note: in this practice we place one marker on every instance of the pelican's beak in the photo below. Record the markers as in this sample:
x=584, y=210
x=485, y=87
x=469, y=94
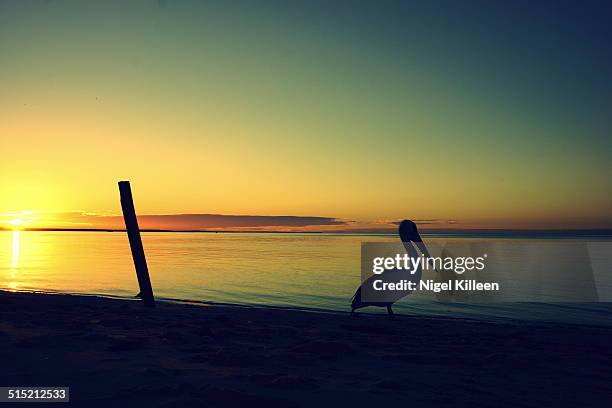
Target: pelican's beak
x=423, y=248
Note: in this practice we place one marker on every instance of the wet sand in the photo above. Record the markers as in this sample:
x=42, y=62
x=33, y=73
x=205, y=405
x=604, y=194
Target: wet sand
x=115, y=352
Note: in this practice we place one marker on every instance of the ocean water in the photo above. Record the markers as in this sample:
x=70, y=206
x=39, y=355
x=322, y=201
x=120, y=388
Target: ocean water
x=314, y=271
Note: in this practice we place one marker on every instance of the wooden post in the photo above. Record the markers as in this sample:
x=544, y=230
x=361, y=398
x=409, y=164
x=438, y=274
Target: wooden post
x=131, y=225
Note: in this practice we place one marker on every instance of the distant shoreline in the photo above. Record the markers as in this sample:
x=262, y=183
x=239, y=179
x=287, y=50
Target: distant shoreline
x=455, y=233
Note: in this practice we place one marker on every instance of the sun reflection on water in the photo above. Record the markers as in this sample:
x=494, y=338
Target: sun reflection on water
x=16, y=248
x=16, y=251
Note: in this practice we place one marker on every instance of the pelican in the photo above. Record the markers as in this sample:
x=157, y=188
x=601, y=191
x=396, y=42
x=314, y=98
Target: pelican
x=412, y=241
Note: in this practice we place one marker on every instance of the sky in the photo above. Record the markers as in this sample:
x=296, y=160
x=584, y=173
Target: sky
x=306, y=114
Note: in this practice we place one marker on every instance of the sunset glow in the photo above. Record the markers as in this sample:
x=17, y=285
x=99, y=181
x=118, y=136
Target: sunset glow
x=16, y=222
x=303, y=203
x=391, y=124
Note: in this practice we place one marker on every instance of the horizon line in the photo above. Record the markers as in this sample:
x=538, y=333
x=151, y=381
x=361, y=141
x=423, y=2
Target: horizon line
x=427, y=231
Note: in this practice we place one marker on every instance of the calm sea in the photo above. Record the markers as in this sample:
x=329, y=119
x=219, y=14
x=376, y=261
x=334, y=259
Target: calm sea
x=316, y=271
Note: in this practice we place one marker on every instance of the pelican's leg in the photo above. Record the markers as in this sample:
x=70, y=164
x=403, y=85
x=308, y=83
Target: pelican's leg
x=390, y=312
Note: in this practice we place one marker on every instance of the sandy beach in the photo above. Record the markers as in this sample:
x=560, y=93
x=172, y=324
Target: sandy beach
x=117, y=352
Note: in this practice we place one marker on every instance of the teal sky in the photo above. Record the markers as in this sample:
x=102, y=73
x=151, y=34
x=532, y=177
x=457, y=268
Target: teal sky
x=478, y=112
